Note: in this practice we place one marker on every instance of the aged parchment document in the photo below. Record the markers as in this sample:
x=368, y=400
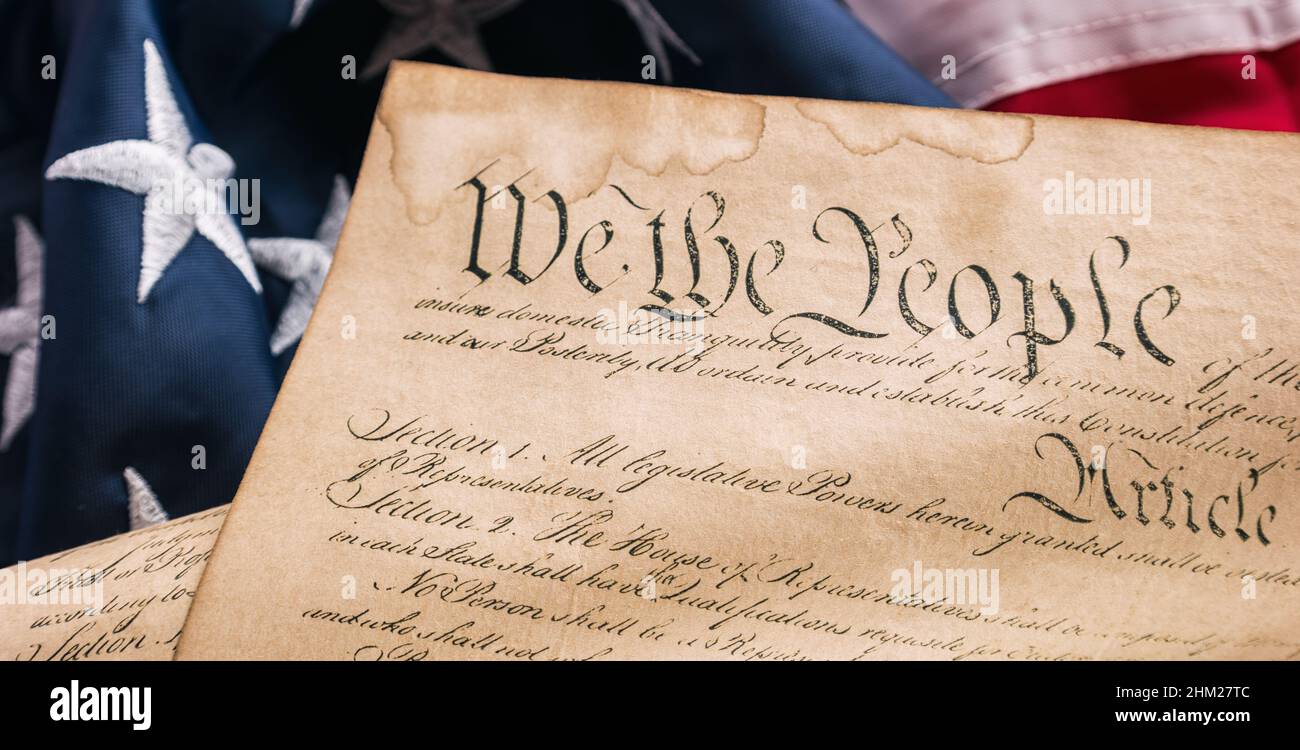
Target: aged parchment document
x=121, y=598
x=622, y=372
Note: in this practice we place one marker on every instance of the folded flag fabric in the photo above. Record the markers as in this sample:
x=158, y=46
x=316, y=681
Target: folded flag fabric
x=1226, y=63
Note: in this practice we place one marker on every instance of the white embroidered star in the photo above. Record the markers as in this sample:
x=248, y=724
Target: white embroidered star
x=19, y=329
x=305, y=263
x=142, y=504
x=167, y=166
x=452, y=28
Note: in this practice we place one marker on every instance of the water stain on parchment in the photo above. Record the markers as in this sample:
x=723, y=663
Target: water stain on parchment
x=446, y=125
x=985, y=137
